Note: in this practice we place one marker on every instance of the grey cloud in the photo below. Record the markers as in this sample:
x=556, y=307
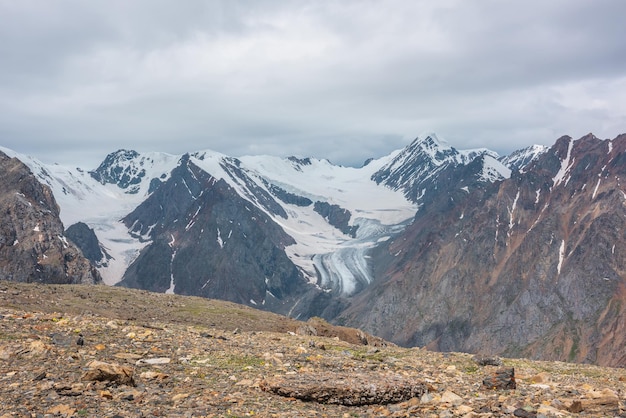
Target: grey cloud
x=307, y=78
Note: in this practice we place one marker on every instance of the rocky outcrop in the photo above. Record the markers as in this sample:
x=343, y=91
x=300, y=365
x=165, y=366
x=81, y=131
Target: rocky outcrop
x=337, y=217
x=32, y=245
x=529, y=266
x=86, y=239
x=289, y=198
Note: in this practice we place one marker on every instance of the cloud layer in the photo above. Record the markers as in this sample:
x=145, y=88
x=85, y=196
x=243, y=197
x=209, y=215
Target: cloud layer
x=339, y=80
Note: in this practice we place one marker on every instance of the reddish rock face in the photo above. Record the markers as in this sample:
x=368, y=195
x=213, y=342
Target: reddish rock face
x=530, y=266
x=32, y=245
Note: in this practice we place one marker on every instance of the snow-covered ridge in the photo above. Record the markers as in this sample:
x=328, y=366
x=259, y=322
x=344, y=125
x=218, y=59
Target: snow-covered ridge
x=414, y=168
x=335, y=260
x=520, y=159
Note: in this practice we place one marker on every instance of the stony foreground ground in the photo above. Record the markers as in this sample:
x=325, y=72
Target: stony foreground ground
x=73, y=351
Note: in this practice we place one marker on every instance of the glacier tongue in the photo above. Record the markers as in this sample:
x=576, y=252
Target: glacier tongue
x=346, y=270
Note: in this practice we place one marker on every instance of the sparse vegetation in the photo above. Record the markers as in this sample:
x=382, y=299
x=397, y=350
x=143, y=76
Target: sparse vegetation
x=203, y=366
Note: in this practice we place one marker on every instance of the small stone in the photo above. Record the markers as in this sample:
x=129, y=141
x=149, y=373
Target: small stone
x=40, y=376
x=549, y=411
x=245, y=382
x=101, y=371
x=154, y=361
x=99, y=347
x=540, y=378
x=106, y=394
x=412, y=402
x=523, y=413
x=128, y=397
x=63, y=410
x=451, y=398
x=127, y=356
x=426, y=397
x=576, y=407
x=179, y=397
x=153, y=376
x=464, y=409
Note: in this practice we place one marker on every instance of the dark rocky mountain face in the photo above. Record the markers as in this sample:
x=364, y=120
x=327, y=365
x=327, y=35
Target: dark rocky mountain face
x=530, y=266
x=209, y=241
x=32, y=245
x=85, y=238
x=337, y=217
x=120, y=168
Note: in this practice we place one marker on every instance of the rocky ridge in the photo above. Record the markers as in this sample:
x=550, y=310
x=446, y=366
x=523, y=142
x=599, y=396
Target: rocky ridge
x=33, y=247
x=101, y=351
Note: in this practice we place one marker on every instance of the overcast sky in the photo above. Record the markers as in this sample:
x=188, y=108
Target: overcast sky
x=343, y=80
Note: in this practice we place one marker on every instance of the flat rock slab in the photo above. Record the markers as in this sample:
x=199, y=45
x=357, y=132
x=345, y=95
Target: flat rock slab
x=101, y=371
x=352, y=390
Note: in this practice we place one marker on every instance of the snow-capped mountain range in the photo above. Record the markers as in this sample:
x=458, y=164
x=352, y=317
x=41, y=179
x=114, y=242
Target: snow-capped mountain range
x=302, y=196
x=452, y=249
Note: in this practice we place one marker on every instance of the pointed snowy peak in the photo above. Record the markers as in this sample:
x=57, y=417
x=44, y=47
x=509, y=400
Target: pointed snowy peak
x=415, y=168
x=114, y=169
x=429, y=146
x=520, y=159
x=129, y=170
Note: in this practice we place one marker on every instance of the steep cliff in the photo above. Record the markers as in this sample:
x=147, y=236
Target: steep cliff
x=32, y=245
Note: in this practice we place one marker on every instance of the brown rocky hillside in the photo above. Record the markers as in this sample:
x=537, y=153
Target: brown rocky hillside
x=97, y=351
x=532, y=266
